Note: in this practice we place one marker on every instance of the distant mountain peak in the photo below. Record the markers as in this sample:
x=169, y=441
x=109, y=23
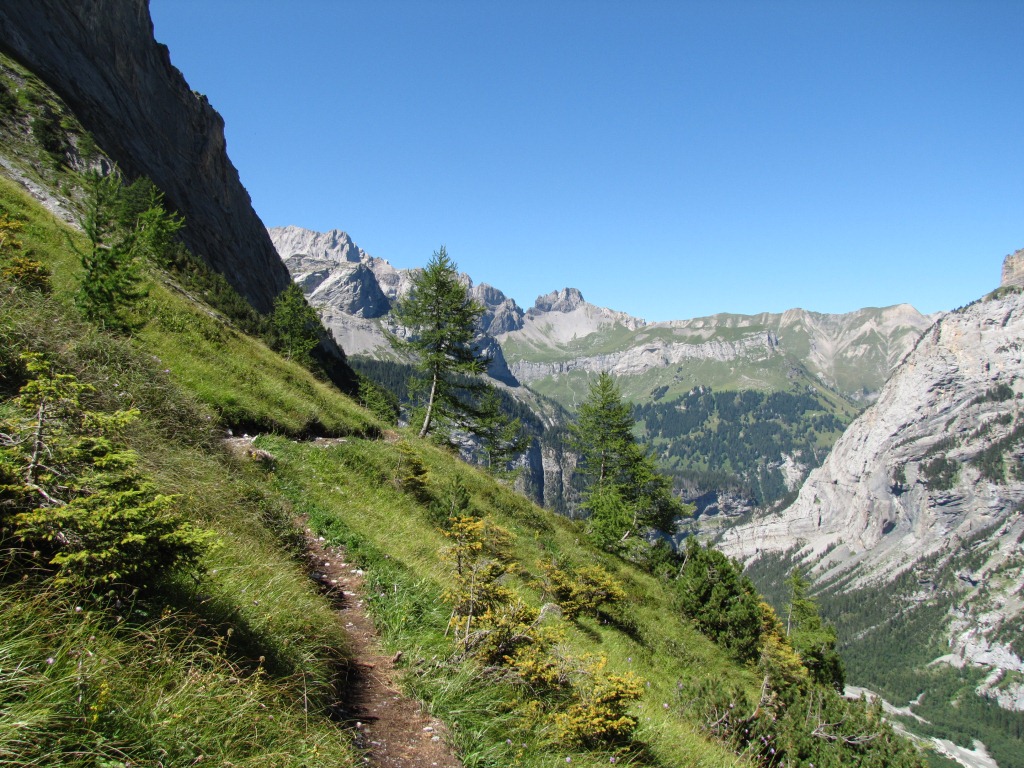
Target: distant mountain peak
x=331, y=246
x=565, y=300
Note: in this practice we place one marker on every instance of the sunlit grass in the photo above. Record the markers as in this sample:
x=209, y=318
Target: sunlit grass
x=352, y=494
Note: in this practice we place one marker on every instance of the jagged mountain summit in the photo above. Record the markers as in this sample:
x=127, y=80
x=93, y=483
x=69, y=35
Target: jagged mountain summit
x=930, y=481
x=350, y=287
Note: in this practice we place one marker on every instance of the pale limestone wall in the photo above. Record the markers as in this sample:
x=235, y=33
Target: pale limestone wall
x=1013, y=269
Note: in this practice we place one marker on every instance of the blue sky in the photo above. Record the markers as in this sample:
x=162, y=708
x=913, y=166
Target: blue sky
x=669, y=159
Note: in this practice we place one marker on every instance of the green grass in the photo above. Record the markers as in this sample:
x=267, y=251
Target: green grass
x=352, y=494
x=238, y=664
x=249, y=385
x=78, y=687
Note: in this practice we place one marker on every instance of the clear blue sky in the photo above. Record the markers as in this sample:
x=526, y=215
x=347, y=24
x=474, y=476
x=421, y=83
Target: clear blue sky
x=669, y=159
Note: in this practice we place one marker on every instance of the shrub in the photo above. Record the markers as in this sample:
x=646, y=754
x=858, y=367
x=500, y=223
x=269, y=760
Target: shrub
x=27, y=273
x=70, y=492
x=720, y=600
x=583, y=590
x=599, y=716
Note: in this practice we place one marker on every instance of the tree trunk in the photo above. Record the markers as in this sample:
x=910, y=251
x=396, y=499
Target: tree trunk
x=430, y=407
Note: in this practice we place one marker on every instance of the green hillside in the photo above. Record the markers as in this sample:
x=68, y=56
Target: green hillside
x=156, y=605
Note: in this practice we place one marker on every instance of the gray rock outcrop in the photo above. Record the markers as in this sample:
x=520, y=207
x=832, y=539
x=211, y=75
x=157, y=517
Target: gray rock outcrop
x=501, y=314
x=565, y=300
x=333, y=272
x=1013, y=269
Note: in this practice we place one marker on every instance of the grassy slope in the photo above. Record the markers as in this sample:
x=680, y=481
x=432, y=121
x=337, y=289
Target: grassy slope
x=176, y=674
x=352, y=494
x=165, y=676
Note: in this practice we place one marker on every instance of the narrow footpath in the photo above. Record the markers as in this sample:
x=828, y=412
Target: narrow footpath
x=392, y=729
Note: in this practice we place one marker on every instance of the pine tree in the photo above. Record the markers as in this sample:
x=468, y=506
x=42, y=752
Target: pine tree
x=603, y=434
x=720, y=600
x=73, y=493
x=811, y=637
x=295, y=326
x=441, y=320
x=501, y=438
x=623, y=491
x=112, y=282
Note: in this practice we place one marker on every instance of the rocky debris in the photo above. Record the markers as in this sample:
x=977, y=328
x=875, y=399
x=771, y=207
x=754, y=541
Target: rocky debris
x=101, y=58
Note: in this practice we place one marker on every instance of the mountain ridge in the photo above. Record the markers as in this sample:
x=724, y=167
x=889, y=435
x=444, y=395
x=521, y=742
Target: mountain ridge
x=562, y=333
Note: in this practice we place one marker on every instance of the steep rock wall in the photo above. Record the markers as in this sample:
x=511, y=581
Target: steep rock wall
x=101, y=57
x=871, y=499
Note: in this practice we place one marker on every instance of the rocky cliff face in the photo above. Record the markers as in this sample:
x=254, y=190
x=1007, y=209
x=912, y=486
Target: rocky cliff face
x=1013, y=269
x=929, y=480
x=350, y=286
x=953, y=398
x=334, y=272
x=652, y=354
x=101, y=58
x=501, y=314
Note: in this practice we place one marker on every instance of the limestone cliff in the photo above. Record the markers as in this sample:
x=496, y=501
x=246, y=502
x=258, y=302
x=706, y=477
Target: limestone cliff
x=928, y=481
x=101, y=57
x=876, y=500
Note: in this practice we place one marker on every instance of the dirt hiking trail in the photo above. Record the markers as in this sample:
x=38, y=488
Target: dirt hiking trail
x=393, y=729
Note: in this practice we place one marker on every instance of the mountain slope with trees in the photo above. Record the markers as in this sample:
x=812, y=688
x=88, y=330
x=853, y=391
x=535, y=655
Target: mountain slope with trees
x=533, y=645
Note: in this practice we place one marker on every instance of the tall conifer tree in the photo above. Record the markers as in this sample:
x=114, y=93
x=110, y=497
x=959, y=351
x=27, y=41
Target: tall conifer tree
x=441, y=319
x=623, y=490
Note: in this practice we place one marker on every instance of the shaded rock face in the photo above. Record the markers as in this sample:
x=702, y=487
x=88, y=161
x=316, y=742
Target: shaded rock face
x=547, y=476
x=101, y=58
x=501, y=314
